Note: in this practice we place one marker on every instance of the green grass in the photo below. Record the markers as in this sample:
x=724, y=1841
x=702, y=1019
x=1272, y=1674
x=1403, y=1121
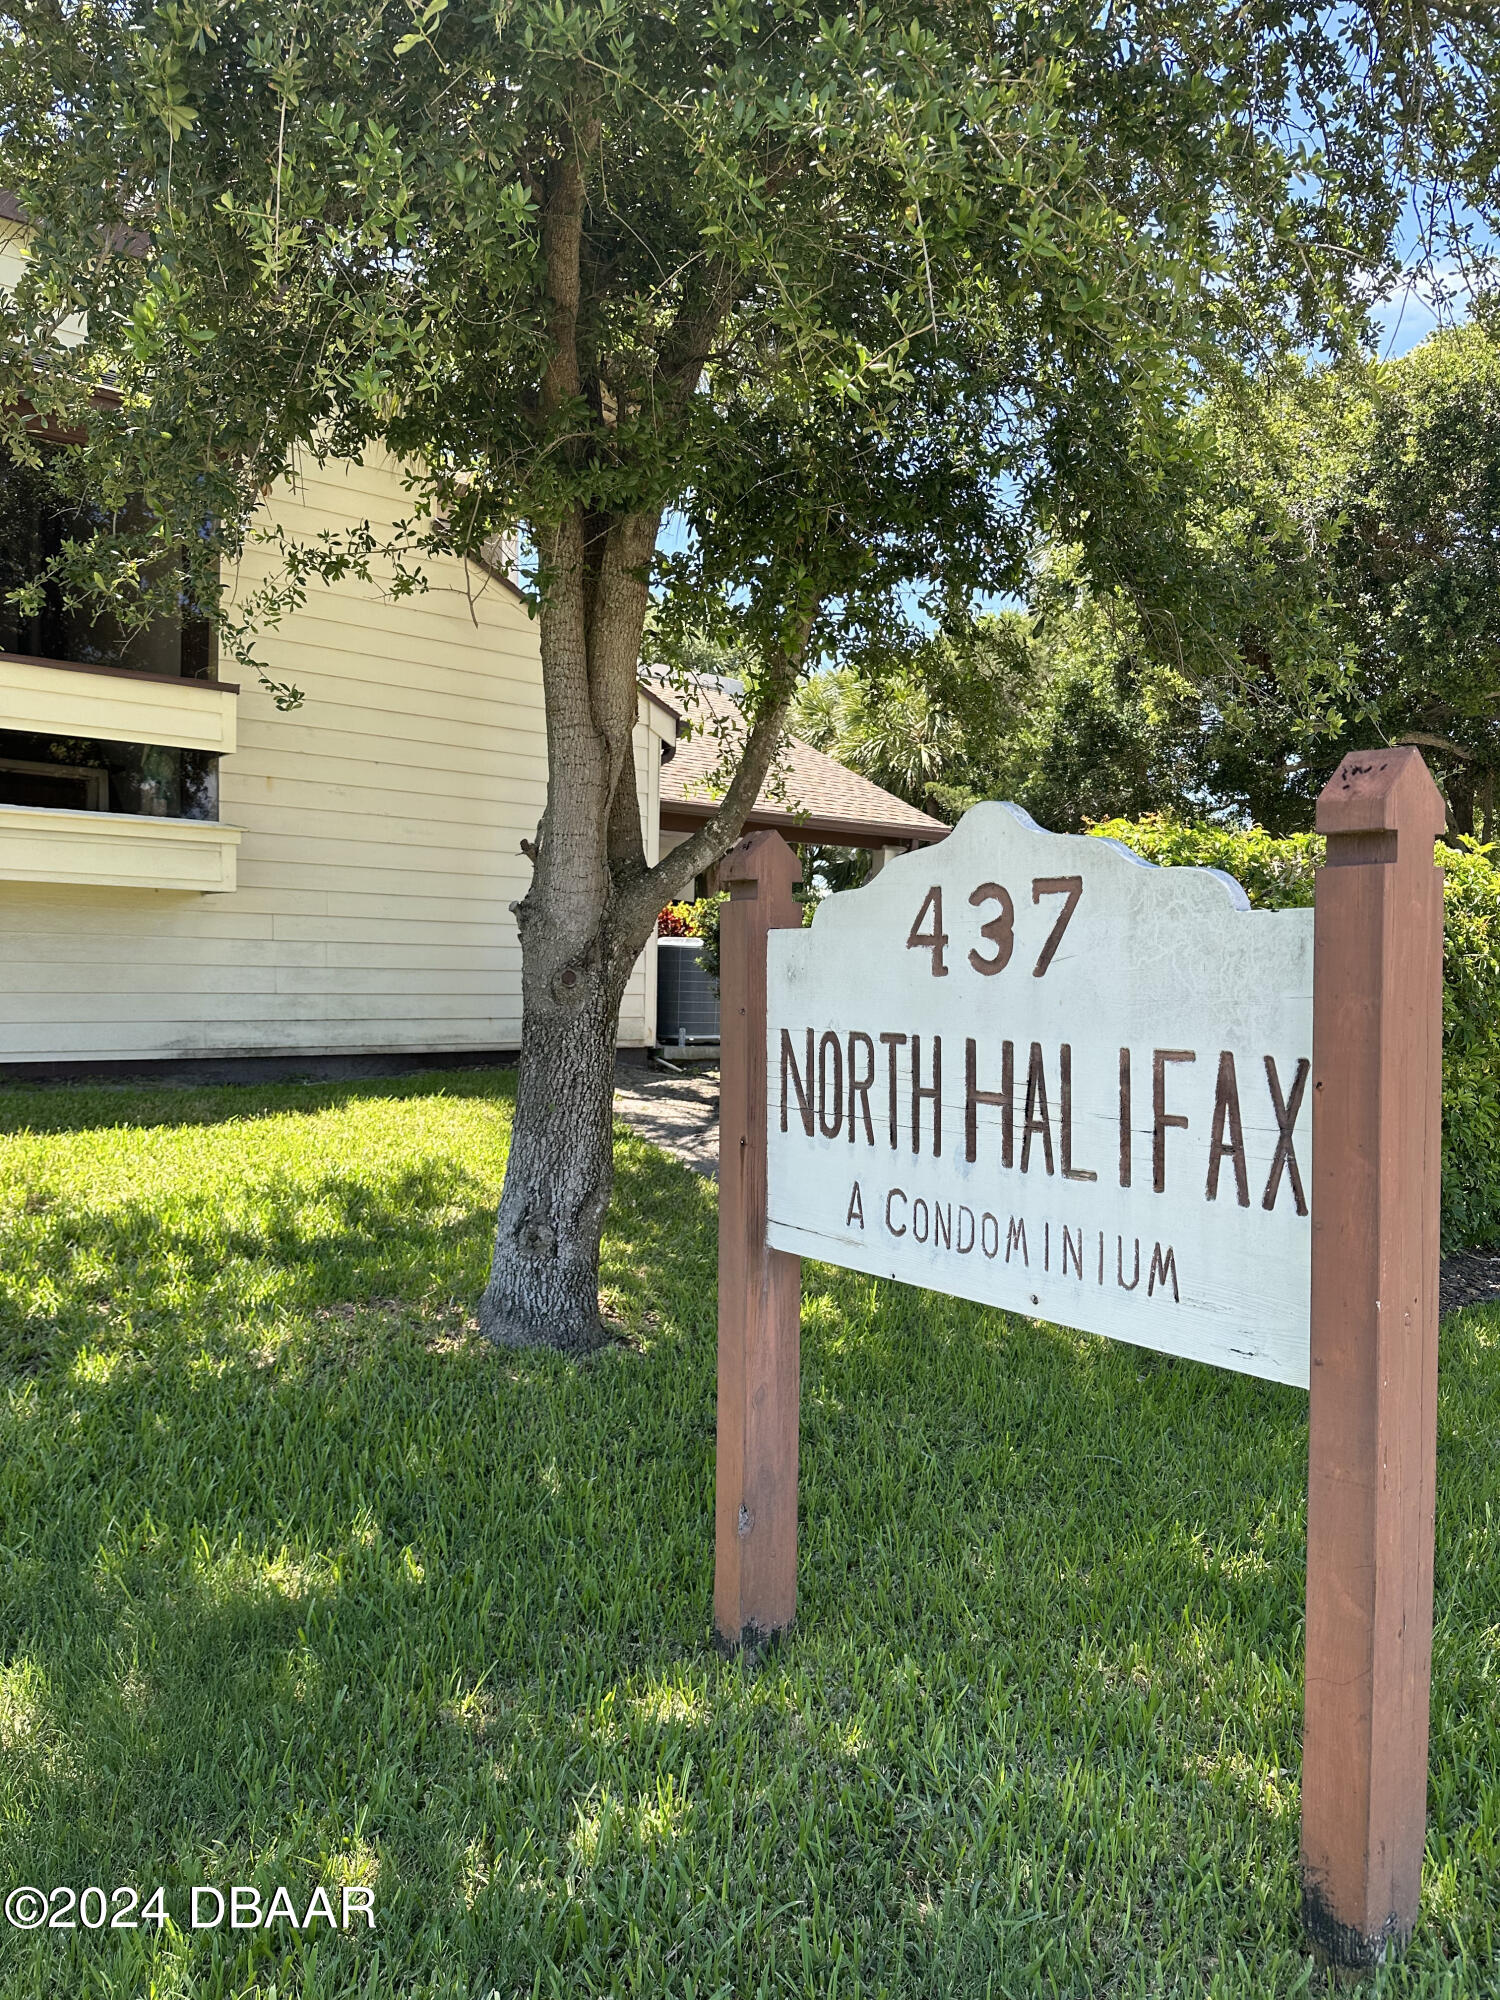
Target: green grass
x=303, y=1584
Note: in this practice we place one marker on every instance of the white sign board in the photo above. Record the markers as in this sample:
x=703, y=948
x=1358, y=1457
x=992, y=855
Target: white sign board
x=1033, y=1070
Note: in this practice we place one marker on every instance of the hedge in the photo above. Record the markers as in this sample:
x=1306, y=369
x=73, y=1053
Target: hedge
x=1278, y=875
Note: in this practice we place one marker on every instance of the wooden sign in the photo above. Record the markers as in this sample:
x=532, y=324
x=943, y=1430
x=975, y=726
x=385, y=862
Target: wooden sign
x=1034, y=1071
x=1031, y=1069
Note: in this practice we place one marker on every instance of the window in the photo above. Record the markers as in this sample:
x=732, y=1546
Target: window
x=67, y=787
x=34, y=524
x=78, y=775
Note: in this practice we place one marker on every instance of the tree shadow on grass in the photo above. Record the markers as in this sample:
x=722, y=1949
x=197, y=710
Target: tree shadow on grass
x=140, y=1106
x=265, y=1524
x=197, y=1271
x=158, y=1278
x=296, y=1587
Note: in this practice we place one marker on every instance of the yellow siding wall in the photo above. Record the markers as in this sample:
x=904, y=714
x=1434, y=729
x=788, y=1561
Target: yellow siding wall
x=12, y=254
x=381, y=824
x=14, y=238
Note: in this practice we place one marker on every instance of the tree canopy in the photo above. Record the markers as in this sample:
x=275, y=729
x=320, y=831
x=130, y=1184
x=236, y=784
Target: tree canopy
x=1061, y=713
x=1326, y=568
x=794, y=274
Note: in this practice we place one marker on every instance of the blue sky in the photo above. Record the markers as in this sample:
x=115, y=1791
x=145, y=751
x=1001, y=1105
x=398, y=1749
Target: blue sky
x=1411, y=315
x=1403, y=324
x=1409, y=318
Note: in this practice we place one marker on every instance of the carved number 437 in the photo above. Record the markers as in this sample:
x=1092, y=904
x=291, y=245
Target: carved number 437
x=1000, y=930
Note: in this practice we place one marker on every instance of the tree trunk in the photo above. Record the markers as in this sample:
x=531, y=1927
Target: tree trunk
x=593, y=899
x=1461, y=801
x=584, y=921
x=544, y=1281
x=575, y=954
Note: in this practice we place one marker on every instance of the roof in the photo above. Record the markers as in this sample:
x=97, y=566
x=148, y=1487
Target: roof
x=808, y=796
x=656, y=699
x=130, y=242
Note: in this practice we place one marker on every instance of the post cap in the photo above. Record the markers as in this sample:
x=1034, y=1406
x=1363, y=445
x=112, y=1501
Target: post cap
x=1378, y=791
x=763, y=858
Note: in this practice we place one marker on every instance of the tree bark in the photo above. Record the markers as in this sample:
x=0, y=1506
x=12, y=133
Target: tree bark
x=543, y=1287
x=544, y=1280
x=586, y=918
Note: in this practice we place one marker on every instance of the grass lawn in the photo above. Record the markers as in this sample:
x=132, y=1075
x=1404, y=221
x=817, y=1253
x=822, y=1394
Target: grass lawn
x=303, y=1585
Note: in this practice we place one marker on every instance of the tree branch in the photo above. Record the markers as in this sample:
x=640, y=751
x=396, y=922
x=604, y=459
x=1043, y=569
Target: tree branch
x=627, y=850
x=690, y=339
x=714, y=839
x=1426, y=741
x=562, y=239
x=615, y=627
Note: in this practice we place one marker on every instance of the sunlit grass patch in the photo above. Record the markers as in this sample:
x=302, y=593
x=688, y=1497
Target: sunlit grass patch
x=304, y=1584
x=23, y=1706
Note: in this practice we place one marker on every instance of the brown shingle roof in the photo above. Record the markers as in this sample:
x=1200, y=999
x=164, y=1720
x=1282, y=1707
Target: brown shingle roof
x=808, y=796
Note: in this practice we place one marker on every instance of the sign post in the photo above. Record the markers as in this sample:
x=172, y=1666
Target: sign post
x=760, y=1289
x=1032, y=1070
x=1372, y=1419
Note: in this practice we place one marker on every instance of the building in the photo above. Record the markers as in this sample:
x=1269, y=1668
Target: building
x=192, y=879
x=810, y=799
x=187, y=873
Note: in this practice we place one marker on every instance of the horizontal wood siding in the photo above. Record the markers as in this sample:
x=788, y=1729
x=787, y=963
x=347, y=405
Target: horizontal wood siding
x=380, y=849
x=83, y=849
x=115, y=705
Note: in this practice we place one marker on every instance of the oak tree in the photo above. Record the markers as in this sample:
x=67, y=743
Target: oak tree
x=863, y=299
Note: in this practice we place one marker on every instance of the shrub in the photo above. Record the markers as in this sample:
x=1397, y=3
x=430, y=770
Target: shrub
x=706, y=926
x=1277, y=874
x=1471, y=1048
x=695, y=920
x=701, y=920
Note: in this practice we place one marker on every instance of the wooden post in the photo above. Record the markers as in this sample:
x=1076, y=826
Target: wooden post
x=760, y=1290
x=1377, y=1080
